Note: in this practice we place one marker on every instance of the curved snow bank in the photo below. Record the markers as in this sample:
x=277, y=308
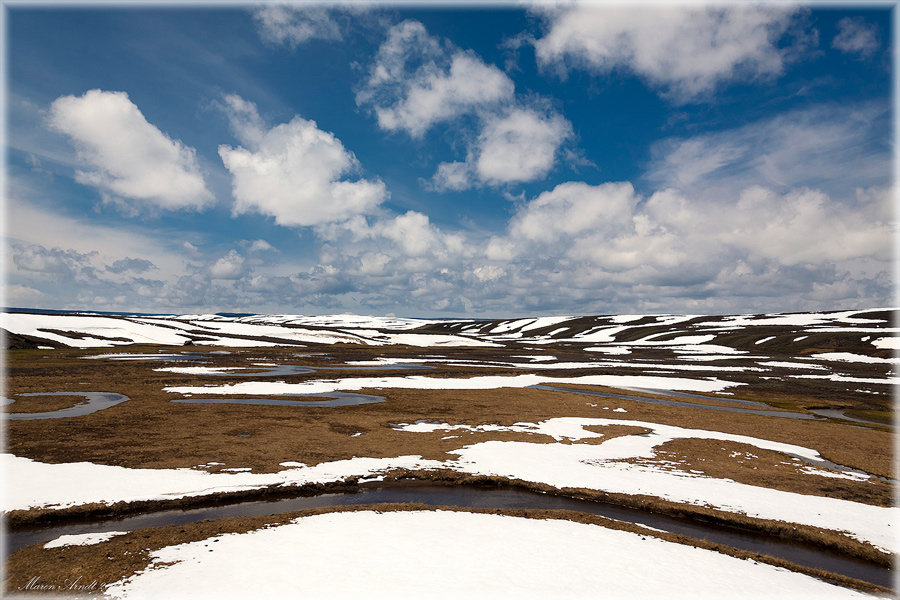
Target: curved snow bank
x=442, y=554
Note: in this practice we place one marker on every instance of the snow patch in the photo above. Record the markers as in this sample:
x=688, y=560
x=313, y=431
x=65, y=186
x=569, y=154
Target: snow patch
x=83, y=539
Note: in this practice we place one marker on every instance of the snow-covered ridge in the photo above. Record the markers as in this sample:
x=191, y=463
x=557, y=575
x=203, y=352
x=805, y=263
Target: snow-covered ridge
x=693, y=333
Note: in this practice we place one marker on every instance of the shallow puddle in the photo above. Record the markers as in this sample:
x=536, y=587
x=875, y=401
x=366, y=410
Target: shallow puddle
x=473, y=497
x=96, y=401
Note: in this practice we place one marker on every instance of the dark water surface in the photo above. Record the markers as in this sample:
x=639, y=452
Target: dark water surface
x=471, y=497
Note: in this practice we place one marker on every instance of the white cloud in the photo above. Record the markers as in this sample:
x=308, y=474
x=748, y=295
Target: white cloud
x=610, y=232
x=414, y=83
x=410, y=236
x=28, y=224
x=262, y=246
x=455, y=176
x=488, y=272
x=292, y=25
x=294, y=171
x=572, y=209
x=127, y=158
x=230, y=266
x=855, y=36
x=192, y=250
x=519, y=146
x=687, y=50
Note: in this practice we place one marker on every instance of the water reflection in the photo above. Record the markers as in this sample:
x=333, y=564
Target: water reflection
x=96, y=401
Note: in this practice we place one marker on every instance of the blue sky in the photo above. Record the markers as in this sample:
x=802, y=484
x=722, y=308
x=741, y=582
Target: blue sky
x=451, y=161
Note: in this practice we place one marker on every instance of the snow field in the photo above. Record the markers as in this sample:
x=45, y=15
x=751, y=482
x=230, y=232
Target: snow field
x=435, y=554
x=418, y=382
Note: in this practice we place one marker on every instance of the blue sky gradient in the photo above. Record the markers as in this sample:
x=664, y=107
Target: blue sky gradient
x=452, y=161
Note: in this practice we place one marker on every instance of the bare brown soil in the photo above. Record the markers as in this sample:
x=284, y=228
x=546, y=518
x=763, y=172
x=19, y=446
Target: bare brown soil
x=105, y=563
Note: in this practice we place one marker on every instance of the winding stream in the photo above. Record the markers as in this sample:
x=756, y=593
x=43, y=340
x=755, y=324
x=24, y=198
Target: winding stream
x=96, y=401
x=470, y=497
x=748, y=411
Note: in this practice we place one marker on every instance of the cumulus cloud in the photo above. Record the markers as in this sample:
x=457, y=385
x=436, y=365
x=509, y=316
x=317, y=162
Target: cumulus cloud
x=415, y=83
x=519, y=146
x=294, y=172
x=230, y=266
x=130, y=160
x=410, y=236
x=855, y=36
x=686, y=50
x=572, y=209
x=610, y=233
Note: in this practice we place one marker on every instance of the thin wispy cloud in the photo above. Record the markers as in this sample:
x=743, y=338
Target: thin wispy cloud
x=855, y=36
